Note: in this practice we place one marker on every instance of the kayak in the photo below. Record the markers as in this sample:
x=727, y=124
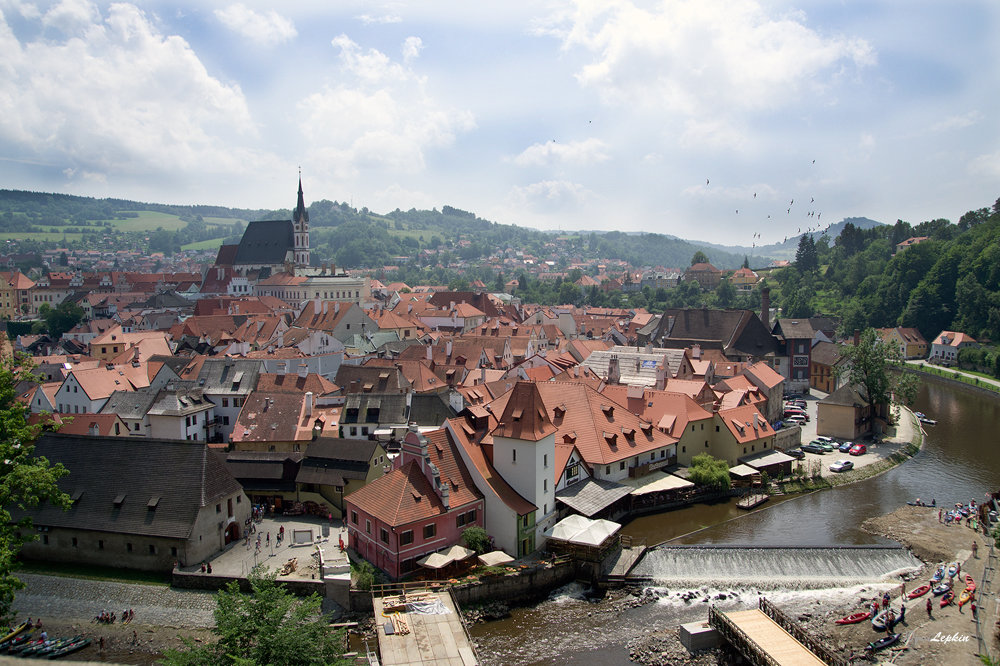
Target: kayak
x=854, y=618
x=880, y=620
x=73, y=646
x=884, y=642
x=942, y=589
x=938, y=575
x=24, y=626
x=954, y=569
x=948, y=598
x=966, y=596
x=919, y=592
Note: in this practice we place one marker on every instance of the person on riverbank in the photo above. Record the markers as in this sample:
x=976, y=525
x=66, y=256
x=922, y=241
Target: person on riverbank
x=930, y=606
x=975, y=549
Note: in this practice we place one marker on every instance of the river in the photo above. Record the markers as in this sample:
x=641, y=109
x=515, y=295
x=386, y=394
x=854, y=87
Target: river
x=957, y=463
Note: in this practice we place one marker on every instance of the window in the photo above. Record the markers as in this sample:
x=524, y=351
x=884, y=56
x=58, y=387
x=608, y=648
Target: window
x=545, y=485
x=430, y=531
x=572, y=471
x=45, y=539
x=524, y=522
x=100, y=544
x=225, y=420
x=684, y=449
x=187, y=421
x=383, y=534
x=218, y=508
x=75, y=542
x=545, y=460
x=607, y=469
x=716, y=428
x=128, y=548
x=152, y=549
x=406, y=538
x=354, y=430
x=239, y=499
x=173, y=551
x=354, y=517
x=513, y=455
x=621, y=466
x=225, y=402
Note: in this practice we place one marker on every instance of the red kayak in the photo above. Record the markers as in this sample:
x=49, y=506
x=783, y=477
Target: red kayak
x=948, y=597
x=854, y=618
x=919, y=592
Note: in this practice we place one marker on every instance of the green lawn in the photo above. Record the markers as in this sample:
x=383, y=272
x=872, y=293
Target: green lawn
x=54, y=236
x=149, y=221
x=209, y=244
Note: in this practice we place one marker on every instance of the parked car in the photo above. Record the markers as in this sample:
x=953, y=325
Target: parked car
x=841, y=466
x=795, y=412
x=858, y=450
x=828, y=440
x=796, y=403
x=796, y=419
x=812, y=448
x=826, y=446
x=795, y=453
x=845, y=447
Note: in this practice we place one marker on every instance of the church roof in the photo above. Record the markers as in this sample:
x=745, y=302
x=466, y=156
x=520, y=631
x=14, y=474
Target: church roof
x=266, y=242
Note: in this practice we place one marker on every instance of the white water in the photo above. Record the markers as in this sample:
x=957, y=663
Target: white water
x=774, y=568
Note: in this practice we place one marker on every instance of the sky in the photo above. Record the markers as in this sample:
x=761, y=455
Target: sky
x=729, y=121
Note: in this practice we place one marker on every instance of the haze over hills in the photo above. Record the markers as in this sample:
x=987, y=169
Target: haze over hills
x=356, y=238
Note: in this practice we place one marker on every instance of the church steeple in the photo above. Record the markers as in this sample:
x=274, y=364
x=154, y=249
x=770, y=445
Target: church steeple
x=300, y=220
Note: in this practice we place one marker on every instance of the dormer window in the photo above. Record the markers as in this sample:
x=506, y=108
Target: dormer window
x=559, y=411
x=609, y=410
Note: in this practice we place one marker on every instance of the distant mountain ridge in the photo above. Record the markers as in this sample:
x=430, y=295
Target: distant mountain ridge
x=787, y=248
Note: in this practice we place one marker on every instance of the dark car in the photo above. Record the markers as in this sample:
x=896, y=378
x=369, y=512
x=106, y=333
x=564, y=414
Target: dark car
x=812, y=448
x=795, y=453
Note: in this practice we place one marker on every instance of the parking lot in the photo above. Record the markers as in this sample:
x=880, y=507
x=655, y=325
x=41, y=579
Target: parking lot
x=900, y=434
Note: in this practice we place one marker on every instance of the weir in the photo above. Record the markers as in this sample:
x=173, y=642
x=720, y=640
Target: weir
x=765, y=566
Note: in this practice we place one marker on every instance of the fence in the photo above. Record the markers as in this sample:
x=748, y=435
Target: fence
x=988, y=572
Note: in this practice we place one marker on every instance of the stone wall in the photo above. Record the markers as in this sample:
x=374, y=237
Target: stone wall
x=788, y=438
x=199, y=581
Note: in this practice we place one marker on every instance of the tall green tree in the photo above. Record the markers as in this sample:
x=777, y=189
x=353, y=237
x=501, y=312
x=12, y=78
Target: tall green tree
x=699, y=258
x=25, y=479
x=270, y=625
x=869, y=366
x=806, y=258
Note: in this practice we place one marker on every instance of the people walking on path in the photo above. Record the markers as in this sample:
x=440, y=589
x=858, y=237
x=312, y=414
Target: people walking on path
x=975, y=549
x=930, y=605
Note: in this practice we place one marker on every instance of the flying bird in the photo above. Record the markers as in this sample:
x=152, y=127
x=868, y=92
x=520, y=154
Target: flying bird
x=706, y=181
x=814, y=161
x=812, y=199
x=754, y=195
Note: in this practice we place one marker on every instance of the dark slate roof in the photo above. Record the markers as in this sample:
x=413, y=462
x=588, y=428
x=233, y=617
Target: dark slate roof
x=430, y=409
x=733, y=331
x=180, y=399
x=266, y=242
x=847, y=396
x=131, y=404
x=226, y=255
x=185, y=476
x=370, y=378
x=218, y=375
x=591, y=496
x=165, y=299
x=795, y=329
x=387, y=407
x=331, y=461
x=825, y=353
x=258, y=465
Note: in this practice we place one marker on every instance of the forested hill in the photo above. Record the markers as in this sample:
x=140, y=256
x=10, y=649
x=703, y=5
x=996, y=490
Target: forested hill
x=950, y=281
x=342, y=234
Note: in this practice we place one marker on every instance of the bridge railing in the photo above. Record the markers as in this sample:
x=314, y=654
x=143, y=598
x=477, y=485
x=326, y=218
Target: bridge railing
x=801, y=635
x=739, y=640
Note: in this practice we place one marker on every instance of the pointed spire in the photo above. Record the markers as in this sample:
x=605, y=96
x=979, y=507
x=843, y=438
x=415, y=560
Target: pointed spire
x=300, y=209
x=525, y=416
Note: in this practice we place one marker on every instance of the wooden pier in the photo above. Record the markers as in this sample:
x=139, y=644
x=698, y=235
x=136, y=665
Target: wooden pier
x=753, y=501
x=406, y=637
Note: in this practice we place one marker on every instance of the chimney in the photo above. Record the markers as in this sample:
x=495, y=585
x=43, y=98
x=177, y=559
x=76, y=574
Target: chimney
x=756, y=424
x=94, y=430
x=430, y=353
x=444, y=496
x=326, y=306
x=447, y=349
x=661, y=375
x=282, y=367
x=267, y=403
x=303, y=370
x=765, y=307
x=696, y=351
x=857, y=337
x=309, y=403
x=336, y=308
x=614, y=375
x=482, y=374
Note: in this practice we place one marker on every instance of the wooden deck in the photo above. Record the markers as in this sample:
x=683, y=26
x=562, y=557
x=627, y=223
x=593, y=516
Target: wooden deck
x=423, y=639
x=752, y=501
x=778, y=644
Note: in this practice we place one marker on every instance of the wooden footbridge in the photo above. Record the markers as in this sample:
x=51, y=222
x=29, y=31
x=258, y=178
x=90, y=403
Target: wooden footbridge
x=765, y=636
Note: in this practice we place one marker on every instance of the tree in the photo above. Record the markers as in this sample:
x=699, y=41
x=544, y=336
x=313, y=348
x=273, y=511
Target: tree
x=476, y=539
x=806, y=258
x=268, y=626
x=699, y=258
x=60, y=319
x=868, y=366
x=708, y=471
x=25, y=480
x=725, y=294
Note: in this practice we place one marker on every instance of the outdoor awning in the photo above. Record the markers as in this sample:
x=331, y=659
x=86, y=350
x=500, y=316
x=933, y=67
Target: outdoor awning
x=656, y=481
x=592, y=495
x=495, y=558
x=597, y=533
x=742, y=470
x=766, y=459
x=445, y=557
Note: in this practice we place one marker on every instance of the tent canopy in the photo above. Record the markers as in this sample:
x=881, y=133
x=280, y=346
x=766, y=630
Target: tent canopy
x=582, y=531
x=445, y=557
x=495, y=558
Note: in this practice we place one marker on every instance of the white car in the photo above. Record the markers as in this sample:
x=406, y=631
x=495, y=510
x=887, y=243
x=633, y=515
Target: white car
x=841, y=466
x=795, y=419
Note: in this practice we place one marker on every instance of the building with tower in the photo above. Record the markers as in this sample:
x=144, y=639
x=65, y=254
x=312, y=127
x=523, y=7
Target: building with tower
x=300, y=221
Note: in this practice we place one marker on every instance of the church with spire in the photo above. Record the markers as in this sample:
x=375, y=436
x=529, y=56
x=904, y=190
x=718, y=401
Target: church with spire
x=270, y=246
x=273, y=259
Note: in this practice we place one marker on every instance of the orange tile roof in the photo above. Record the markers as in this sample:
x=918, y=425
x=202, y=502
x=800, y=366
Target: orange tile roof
x=524, y=416
x=465, y=437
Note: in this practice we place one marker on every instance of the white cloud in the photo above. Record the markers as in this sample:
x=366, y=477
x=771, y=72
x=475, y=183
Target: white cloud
x=704, y=57
x=269, y=29
x=411, y=48
x=126, y=99
x=987, y=165
x=589, y=151
x=71, y=16
x=549, y=196
x=368, y=19
x=379, y=115
x=958, y=122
